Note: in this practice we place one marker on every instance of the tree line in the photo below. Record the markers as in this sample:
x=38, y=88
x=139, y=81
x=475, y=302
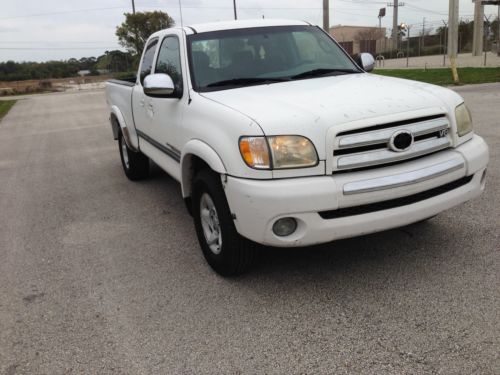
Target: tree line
x=132, y=34
x=111, y=61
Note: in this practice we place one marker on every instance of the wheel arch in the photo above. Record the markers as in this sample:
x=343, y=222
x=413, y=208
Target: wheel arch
x=118, y=124
x=117, y=121
x=195, y=156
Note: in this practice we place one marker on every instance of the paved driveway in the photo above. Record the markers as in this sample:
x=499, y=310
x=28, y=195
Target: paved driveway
x=101, y=275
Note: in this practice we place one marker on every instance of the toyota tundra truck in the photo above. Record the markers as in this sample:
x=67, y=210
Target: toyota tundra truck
x=278, y=137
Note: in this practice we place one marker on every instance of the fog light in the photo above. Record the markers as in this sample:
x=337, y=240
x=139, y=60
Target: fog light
x=285, y=226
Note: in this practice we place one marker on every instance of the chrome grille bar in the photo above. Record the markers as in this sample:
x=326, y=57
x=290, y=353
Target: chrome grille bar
x=384, y=156
x=383, y=135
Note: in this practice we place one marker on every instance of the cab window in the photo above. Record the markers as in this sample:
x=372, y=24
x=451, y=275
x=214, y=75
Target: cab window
x=169, y=61
x=147, y=60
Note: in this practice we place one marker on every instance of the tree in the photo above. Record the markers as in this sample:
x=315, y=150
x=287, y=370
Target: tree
x=115, y=61
x=133, y=33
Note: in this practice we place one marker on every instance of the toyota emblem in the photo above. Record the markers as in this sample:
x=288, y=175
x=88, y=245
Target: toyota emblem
x=401, y=141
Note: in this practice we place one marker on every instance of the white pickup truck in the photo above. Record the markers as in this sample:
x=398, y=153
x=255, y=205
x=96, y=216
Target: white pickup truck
x=278, y=137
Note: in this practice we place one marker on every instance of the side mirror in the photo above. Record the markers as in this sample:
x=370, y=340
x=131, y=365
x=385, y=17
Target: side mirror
x=158, y=84
x=366, y=61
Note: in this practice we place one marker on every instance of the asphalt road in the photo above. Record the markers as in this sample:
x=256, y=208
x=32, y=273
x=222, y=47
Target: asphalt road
x=101, y=275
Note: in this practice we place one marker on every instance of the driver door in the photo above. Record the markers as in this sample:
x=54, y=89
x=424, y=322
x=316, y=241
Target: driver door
x=166, y=112
x=142, y=119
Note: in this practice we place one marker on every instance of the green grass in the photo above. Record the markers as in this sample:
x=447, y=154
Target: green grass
x=443, y=76
x=5, y=106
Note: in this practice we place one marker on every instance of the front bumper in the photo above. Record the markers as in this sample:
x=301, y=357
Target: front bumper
x=257, y=204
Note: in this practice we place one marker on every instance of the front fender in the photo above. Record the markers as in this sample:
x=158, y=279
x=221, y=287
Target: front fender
x=196, y=148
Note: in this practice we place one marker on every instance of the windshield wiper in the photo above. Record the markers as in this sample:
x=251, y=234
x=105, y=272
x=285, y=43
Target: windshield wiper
x=246, y=81
x=323, y=72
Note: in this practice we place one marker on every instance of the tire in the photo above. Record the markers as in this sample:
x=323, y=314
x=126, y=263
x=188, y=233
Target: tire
x=135, y=164
x=227, y=252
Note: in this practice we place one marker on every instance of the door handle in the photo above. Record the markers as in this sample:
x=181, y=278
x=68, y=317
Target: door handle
x=141, y=102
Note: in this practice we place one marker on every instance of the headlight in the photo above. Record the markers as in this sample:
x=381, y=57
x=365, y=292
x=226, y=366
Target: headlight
x=292, y=151
x=278, y=152
x=464, y=120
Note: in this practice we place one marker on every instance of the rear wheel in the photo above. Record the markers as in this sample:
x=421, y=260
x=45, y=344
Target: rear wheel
x=135, y=164
x=225, y=250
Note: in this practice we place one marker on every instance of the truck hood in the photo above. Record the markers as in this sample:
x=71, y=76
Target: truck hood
x=311, y=107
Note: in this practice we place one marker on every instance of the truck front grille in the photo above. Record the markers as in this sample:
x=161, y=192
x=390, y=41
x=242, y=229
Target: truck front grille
x=369, y=147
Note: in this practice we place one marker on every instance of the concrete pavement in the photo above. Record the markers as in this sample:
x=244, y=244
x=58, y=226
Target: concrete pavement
x=100, y=275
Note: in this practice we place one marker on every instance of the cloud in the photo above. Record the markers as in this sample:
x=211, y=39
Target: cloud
x=10, y=29
x=99, y=25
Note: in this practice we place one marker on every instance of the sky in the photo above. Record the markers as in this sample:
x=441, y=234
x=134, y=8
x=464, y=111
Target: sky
x=41, y=30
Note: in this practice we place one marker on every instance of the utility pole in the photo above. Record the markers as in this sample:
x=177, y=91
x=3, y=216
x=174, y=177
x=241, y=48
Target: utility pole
x=135, y=31
x=477, y=39
x=453, y=37
x=445, y=42
x=478, y=23
x=488, y=24
x=408, y=27
x=423, y=35
x=234, y=6
x=395, y=30
x=326, y=16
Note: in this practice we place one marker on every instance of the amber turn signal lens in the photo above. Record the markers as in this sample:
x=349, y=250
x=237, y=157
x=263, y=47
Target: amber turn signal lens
x=255, y=152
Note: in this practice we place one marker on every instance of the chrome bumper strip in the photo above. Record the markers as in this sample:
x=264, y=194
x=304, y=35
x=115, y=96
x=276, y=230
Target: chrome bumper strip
x=403, y=179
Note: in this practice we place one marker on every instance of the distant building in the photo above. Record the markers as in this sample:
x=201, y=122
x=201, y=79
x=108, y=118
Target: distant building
x=357, y=39
x=83, y=73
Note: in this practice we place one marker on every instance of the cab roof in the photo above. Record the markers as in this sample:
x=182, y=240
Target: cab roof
x=241, y=24
x=231, y=25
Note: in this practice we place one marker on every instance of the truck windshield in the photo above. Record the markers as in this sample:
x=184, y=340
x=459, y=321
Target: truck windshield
x=243, y=57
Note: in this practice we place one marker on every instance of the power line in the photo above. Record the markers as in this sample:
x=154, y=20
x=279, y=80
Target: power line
x=426, y=10
x=59, y=12
x=184, y=7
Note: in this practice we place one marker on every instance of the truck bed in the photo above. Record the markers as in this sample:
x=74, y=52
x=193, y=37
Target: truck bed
x=119, y=95
x=125, y=81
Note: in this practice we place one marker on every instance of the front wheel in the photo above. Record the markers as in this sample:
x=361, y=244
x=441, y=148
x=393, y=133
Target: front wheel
x=225, y=250
x=135, y=164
